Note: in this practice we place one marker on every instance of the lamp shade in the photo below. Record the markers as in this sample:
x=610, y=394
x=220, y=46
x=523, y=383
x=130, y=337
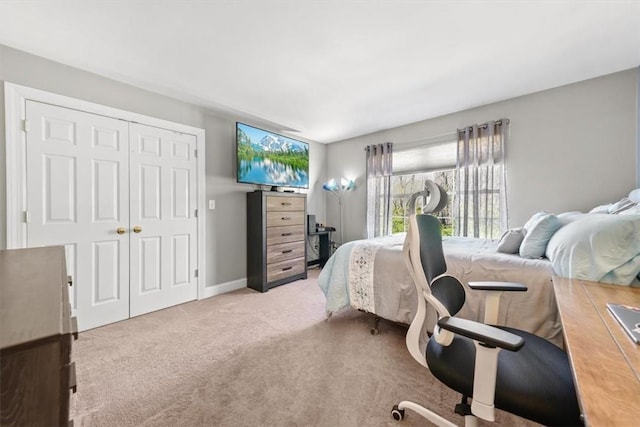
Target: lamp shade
x=343, y=185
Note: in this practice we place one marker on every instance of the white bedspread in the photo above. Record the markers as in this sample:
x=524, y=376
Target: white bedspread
x=370, y=275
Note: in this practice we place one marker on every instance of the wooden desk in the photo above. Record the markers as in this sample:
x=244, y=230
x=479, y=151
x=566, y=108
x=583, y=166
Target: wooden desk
x=604, y=360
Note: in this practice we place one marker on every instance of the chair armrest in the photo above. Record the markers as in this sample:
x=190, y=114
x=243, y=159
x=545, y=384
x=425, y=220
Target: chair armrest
x=486, y=334
x=497, y=286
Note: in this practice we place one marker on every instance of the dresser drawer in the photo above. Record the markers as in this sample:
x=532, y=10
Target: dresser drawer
x=287, y=233
x=282, y=269
x=275, y=219
x=285, y=204
x=285, y=251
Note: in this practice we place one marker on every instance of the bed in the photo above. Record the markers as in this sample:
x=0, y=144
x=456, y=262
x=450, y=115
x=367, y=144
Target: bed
x=602, y=245
x=370, y=275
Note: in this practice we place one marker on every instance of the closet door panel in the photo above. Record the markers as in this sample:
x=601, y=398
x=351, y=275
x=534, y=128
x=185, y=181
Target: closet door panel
x=163, y=203
x=78, y=196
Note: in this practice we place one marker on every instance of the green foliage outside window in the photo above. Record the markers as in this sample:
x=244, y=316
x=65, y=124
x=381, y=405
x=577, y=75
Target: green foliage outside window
x=403, y=186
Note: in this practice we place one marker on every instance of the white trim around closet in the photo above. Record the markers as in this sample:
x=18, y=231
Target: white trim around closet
x=15, y=97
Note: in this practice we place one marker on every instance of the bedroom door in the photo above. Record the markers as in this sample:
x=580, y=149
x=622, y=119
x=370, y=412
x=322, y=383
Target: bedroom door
x=78, y=197
x=163, y=218
x=121, y=197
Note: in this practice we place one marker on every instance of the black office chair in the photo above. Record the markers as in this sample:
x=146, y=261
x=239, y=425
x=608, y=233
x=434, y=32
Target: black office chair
x=499, y=367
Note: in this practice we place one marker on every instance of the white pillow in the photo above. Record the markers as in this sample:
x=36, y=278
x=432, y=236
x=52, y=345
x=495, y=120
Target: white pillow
x=621, y=205
x=510, y=240
x=598, y=247
x=539, y=229
x=567, y=217
x=604, y=209
x=634, y=195
x=634, y=210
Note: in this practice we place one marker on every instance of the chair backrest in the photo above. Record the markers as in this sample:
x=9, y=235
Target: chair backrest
x=431, y=255
x=447, y=289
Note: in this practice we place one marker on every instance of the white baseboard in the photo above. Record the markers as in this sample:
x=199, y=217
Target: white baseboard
x=222, y=288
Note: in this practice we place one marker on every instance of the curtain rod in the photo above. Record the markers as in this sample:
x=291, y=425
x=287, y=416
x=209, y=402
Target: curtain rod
x=382, y=143
x=485, y=125
x=438, y=139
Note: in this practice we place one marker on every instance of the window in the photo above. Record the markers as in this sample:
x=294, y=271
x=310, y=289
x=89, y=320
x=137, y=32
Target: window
x=431, y=159
x=404, y=185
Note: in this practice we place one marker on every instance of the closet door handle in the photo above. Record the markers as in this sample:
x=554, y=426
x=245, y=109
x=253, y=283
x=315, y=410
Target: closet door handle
x=121, y=230
x=137, y=229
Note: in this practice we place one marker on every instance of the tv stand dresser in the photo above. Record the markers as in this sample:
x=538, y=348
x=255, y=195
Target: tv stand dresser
x=276, y=239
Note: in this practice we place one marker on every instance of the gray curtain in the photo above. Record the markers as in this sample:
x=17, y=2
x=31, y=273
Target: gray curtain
x=379, y=169
x=480, y=208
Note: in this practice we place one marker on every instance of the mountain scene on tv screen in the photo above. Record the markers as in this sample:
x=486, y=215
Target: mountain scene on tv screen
x=269, y=159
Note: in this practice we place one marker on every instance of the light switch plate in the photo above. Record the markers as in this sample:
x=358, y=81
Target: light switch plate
x=212, y=204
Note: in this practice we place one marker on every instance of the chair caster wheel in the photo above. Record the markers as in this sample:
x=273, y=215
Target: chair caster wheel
x=374, y=331
x=397, y=414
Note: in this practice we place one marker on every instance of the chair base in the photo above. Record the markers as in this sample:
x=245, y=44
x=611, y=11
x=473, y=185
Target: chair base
x=398, y=414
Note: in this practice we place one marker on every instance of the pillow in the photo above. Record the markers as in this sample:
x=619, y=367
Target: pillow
x=634, y=210
x=510, y=241
x=567, y=217
x=601, y=209
x=534, y=218
x=634, y=195
x=599, y=247
x=621, y=205
x=613, y=208
x=539, y=229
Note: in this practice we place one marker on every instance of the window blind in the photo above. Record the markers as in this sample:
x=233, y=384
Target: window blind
x=425, y=157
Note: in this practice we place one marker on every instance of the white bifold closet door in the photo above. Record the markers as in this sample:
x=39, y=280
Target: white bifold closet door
x=163, y=218
x=93, y=180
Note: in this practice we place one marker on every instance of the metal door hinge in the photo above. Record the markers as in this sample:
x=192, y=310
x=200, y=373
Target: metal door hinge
x=195, y=153
x=195, y=272
x=27, y=217
x=25, y=125
x=195, y=213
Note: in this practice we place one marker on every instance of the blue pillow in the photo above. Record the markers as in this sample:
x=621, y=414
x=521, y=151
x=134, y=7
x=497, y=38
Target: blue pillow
x=598, y=247
x=539, y=229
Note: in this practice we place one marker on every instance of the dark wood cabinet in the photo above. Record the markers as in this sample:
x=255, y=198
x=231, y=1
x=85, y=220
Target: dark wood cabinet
x=276, y=239
x=35, y=338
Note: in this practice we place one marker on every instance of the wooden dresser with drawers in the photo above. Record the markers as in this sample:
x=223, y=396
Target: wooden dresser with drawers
x=35, y=338
x=276, y=239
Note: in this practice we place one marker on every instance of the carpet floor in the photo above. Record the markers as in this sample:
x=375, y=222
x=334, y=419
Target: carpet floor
x=250, y=359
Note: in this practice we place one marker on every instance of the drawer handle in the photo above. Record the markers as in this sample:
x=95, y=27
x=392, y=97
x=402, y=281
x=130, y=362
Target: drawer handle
x=72, y=377
x=287, y=234
x=287, y=251
x=286, y=218
x=74, y=327
x=287, y=268
x=286, y=203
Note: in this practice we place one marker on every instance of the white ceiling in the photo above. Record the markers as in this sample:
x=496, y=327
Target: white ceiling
x=332, y=70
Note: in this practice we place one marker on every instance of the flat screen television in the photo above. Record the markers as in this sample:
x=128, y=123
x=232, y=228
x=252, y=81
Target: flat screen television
x=266, y=158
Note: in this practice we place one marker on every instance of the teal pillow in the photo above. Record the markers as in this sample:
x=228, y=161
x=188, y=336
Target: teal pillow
x=539, y=229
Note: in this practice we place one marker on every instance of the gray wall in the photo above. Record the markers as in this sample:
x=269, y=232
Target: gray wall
x=570, y=148
x=226, y=225
x=638, y=130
